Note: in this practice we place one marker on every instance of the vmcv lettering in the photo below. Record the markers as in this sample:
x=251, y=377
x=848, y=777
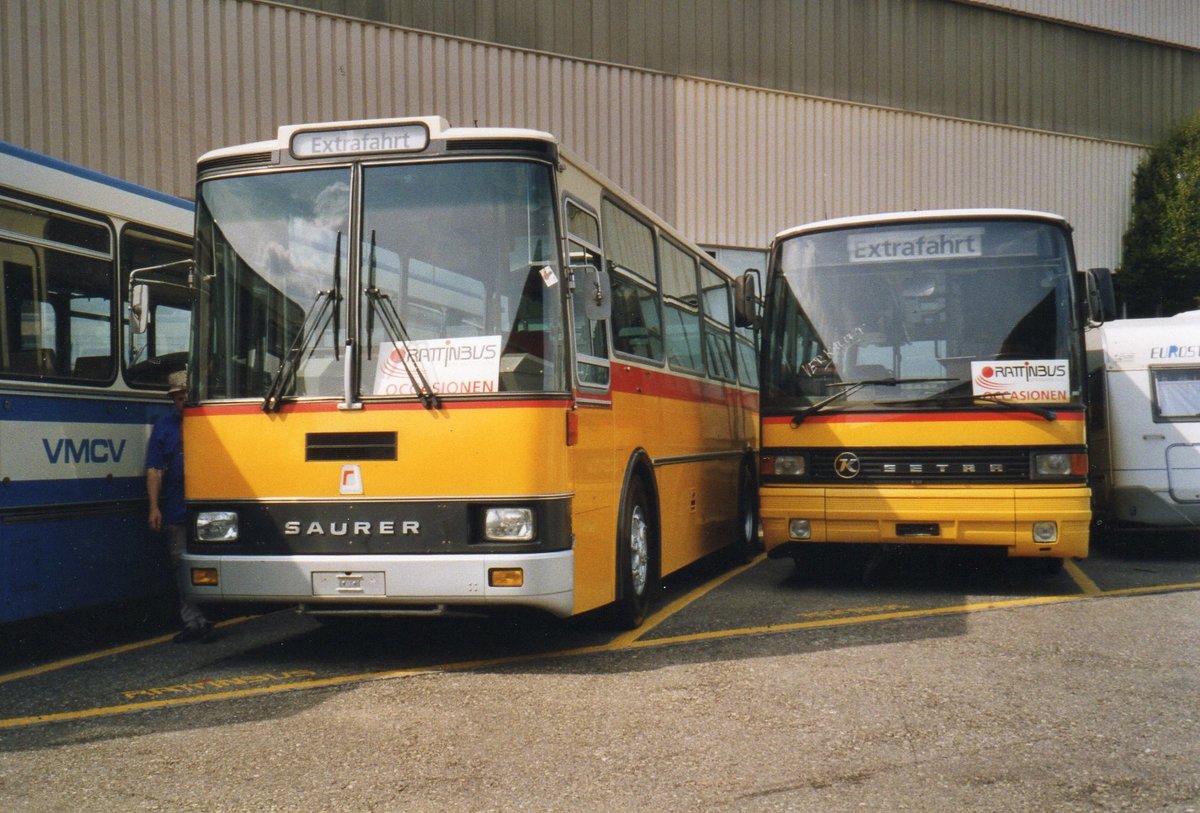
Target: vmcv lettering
x=85, y=450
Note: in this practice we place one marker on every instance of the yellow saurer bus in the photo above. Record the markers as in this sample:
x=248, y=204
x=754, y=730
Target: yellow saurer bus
x=923, y=381
x=441, y=369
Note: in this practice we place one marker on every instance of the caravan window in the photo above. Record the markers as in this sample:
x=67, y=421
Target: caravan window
x=1176, y=393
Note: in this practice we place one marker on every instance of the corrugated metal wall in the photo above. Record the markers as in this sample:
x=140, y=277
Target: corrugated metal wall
x=961, y=59
x=1176, y=21
x=830, y=159
x=139, y=88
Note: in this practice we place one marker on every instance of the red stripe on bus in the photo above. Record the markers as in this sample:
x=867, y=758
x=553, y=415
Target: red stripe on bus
x=325, y=406
x=658, y=383
x=922, y=417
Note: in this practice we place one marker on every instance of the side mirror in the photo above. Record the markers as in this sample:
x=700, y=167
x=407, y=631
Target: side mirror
x=593, y=284
x=747, y=311
x=139, y=307
x=1101, y=297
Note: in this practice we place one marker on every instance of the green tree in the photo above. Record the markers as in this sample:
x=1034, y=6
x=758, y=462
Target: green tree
x=1160, y=254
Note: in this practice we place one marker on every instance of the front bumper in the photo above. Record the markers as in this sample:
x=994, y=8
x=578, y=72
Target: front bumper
x=976, y=516
x=386, y=582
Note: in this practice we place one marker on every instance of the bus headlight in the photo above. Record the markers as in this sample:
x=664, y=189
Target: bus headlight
x=1060, y=464
x=799, y=529
x=784, y=465
x=217, y=526
x=508, y=524
x=1052, y=465
x=1045, y=532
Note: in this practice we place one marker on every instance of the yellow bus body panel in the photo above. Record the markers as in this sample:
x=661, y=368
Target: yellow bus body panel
x=452, y=452
x=984, y=514
x=481, y=450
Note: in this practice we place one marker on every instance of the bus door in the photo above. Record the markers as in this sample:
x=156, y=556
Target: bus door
x=590, y=424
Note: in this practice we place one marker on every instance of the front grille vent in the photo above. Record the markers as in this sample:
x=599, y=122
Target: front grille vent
x=924, y=465
x=350, y=446
x=519, y=145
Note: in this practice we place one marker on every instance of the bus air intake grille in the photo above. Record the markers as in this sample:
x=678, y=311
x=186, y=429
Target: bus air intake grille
x=254, y=159
x=502, y=145
x=350, y=446
x=924, y=465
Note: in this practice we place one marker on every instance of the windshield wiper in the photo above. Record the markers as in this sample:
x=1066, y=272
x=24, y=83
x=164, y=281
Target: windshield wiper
x=987, y=398
x=394, y=327
x=854, y=386
x=371, y=286
x=316, y=319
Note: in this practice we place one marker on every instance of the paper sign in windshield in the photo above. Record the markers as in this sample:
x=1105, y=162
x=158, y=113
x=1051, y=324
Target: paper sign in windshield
x=451, y=366
x=1034, y=381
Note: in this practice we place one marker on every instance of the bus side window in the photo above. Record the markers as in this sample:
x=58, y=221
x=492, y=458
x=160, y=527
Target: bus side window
x=57, y=303
x=151, y=356
x=718, y=325
x=633, y=269
x=591, y=336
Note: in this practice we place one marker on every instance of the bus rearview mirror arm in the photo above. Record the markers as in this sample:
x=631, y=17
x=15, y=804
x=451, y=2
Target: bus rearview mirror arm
x=139, y=290
x=597, y=291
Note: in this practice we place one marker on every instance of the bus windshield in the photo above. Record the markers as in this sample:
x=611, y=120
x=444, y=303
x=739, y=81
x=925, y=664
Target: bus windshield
x=457, y=288
x=922, y=315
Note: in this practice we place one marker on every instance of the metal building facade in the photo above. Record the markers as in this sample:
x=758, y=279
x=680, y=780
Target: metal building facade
x=1174, y=21
x=139, y=88
x=967, y=59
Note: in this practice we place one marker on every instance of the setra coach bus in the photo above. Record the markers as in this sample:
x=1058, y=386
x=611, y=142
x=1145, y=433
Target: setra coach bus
x=923, y=378
x=454, y=369
x=79, y=387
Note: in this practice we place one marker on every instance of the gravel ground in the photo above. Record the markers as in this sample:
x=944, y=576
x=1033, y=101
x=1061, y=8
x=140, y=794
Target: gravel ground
x=1081, y=706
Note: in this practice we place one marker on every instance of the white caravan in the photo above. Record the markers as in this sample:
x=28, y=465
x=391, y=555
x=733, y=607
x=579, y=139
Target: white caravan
x=1145, y=398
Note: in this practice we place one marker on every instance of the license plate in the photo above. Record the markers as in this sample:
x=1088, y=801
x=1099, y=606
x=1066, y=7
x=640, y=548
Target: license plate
x=355, y=583
x=918, y=529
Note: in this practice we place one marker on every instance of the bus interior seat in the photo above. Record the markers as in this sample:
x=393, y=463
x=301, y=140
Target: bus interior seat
x=40, y=361
x=532, y=342
x=95, y=368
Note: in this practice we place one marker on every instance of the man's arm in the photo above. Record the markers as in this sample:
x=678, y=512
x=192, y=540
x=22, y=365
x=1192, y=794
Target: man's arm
x=153, y=489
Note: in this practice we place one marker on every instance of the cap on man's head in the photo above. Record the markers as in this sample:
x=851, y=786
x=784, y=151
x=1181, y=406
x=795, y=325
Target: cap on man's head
x=177, y=382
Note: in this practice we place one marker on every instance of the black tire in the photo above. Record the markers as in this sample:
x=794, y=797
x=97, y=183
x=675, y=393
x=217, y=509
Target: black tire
x=748, y=544
x=636, y=558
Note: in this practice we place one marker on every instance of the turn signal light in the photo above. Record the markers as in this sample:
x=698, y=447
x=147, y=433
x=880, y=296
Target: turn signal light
x=506, y=577
x=205, y=577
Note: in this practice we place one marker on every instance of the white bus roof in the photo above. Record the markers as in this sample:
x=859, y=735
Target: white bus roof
x=58, y=180
x=437, y=127
x=1135, y=344
x=886, y=218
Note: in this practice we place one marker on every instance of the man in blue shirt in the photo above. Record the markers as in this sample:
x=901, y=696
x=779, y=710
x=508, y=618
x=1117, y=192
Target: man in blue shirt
x=164, y=486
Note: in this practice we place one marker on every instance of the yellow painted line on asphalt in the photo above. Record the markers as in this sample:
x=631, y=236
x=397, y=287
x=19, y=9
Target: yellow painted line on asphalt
x=99, y=654
x=633, y=640
x=678, y=604
x=1080, y=578
x=847, y=620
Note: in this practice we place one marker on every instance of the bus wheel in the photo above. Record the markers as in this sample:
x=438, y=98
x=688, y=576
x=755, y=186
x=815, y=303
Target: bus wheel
x=635, y=565
x=748, y=544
